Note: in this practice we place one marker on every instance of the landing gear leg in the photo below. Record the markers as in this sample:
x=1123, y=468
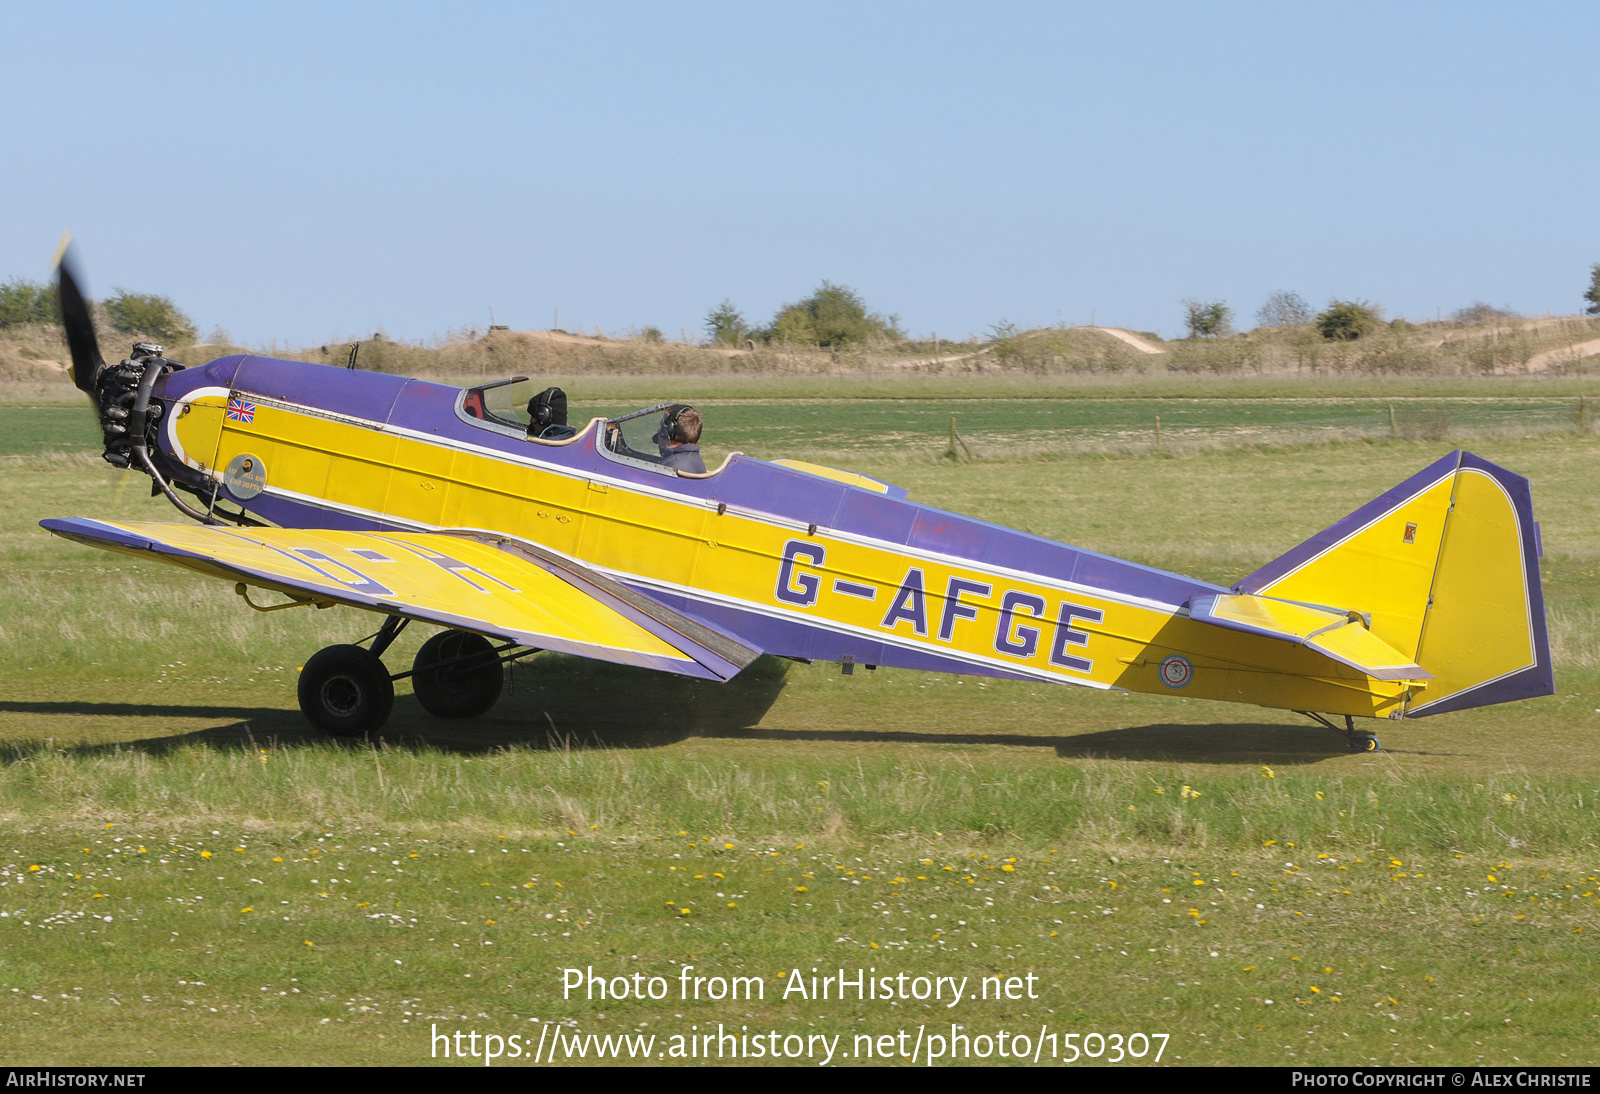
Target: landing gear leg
x=1358, y=740
x=387, y=634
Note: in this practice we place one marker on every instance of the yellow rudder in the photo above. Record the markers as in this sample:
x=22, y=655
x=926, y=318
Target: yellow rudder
x=1444, y=568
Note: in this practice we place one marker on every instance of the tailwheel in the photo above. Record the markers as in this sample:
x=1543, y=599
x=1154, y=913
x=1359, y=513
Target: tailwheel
x=456, y=675
x=345, y=691
x=1359, y=741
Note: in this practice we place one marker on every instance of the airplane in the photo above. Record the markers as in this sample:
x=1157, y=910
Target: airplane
x=480, y=511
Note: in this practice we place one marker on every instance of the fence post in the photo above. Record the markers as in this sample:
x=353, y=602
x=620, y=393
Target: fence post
x=1582, y=424
x=1158, y=434
x=1393, y=432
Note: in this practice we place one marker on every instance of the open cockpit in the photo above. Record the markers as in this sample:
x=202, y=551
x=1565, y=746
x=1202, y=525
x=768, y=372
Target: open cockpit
x=662, y=437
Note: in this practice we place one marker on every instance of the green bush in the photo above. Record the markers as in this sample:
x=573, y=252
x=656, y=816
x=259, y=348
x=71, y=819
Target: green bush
x=1211, y=320
x=833, y=316
x=23, y=302
x=1593, y=295
x=148, y=314
x=725, y=325
x=1347, y=320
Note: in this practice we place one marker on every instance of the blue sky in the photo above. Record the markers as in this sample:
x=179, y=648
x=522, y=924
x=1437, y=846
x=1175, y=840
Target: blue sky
x=319, y=171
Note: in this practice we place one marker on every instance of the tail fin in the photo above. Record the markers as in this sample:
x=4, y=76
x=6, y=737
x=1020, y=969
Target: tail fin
x=1447, y=567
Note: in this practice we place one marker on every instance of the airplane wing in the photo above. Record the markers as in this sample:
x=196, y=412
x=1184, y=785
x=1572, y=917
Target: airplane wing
x=1343, y=636
x=505, y=588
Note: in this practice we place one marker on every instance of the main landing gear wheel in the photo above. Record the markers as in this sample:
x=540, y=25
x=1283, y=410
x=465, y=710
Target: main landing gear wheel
x=456, y=675
x=345, y=691
x=1365, y=742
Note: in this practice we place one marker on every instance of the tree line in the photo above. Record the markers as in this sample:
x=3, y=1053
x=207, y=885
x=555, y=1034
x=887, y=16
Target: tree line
x=37, y=303
x=832, y=317
x=1342, y=320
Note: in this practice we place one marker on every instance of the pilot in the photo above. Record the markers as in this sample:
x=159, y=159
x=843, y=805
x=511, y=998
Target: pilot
x=679, y=439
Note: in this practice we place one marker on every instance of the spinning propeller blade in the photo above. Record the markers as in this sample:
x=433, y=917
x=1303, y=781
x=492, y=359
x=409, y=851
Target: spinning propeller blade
x=79, y=323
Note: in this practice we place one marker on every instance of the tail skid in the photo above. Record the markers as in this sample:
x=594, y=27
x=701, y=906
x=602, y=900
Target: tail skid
x=1446, y=567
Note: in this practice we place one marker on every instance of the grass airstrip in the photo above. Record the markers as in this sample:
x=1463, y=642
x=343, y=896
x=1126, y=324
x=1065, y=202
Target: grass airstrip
x=187, y=875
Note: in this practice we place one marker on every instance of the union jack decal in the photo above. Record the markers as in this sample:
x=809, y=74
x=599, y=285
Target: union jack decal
x=241, y=411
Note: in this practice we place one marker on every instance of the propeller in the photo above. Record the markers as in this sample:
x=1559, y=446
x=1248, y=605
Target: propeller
x=79, y=323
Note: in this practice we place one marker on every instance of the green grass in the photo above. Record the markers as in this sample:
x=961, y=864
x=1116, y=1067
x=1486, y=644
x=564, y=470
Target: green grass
x=555, y=831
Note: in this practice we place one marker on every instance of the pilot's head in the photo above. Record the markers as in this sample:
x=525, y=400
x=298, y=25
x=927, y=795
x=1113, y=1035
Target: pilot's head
x=679, y=425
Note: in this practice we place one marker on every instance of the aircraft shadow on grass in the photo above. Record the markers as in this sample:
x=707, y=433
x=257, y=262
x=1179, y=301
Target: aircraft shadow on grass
x=564, y=702
x=550, y=702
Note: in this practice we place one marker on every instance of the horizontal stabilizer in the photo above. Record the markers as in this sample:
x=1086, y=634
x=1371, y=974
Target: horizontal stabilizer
x=495, y=586
x=1342, y=636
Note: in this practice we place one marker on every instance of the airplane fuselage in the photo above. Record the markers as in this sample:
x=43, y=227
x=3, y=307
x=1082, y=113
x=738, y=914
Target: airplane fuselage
x=793, y=563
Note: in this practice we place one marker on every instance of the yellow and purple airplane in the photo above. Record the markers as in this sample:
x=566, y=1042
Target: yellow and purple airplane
x=480, y=511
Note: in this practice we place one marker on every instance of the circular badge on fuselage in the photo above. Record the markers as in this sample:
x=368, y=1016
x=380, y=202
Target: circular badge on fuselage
x=245, y=476
x=1176, y=671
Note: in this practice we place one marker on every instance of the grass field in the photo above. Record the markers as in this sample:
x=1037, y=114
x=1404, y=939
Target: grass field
x=1229, y=876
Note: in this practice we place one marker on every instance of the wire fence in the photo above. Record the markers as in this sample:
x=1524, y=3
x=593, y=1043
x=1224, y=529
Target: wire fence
x=987, y=433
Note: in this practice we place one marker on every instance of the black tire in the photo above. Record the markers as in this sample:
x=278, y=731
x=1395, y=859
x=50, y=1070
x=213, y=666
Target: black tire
x=464, y=689
x=345, y=691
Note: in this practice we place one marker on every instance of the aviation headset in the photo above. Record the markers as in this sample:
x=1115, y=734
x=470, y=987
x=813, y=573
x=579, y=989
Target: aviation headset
x=670, y=431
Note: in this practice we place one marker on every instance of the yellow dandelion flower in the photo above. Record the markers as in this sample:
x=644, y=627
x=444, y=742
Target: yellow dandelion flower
x=800, y=888
x=727, y=846
x=310, y=943
x=34, y=869
x=1008, y=868
x=277, y=860
x=246, y=910
x=205, y=854
x=1266, y=773
x=488, y=923
x=683, y=911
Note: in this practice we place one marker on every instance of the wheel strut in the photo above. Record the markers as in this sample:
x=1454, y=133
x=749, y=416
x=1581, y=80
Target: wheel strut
x=1358, y=740
x=387, y=634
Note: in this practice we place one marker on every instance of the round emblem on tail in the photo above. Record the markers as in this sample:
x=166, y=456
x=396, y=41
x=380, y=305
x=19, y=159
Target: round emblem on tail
x=1176, y=671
